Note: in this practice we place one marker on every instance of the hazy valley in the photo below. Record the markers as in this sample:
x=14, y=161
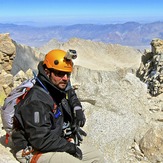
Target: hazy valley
x=128, y=34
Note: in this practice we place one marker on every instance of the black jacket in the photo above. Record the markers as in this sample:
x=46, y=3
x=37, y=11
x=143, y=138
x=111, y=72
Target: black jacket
x=39, y=117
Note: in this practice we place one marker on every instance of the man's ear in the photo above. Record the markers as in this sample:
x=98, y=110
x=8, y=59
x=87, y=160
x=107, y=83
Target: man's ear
x=47, y=72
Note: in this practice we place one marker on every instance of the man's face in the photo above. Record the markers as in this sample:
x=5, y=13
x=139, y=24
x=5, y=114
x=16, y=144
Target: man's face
x=60, y=78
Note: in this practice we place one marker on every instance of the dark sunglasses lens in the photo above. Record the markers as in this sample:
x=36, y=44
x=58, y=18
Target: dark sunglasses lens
x=61, y=73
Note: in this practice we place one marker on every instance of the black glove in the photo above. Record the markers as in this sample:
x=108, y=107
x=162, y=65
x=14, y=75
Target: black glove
x=80, y=118
x=78, y=153
x=75, y=151
x=78, y=135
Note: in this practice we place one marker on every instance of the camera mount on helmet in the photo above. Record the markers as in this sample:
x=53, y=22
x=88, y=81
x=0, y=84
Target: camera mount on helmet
x=71, y=54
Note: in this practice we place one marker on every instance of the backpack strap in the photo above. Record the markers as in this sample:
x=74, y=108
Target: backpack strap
x=7, y=138
x=23, y=96
x=35, y=157
x=41, y=88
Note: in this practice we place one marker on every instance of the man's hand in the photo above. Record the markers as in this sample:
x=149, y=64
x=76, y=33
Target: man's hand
x=78, y=153
x=80, y=118
x=75, y=151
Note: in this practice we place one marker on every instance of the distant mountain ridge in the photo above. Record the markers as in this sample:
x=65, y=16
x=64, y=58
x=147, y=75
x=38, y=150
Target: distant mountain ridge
x=127, y=34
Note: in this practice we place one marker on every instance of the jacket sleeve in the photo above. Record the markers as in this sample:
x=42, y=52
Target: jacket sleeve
x=36, y=119
x=73, y=99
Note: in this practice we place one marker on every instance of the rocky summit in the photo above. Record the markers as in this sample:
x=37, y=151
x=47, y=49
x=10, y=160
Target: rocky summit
x=117, y=87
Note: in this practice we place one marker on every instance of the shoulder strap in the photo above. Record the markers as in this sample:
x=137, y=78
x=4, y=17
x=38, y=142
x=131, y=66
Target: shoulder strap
x=42, y=89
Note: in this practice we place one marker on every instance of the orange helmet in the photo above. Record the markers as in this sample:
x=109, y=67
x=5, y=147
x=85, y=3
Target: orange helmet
x=56, y=59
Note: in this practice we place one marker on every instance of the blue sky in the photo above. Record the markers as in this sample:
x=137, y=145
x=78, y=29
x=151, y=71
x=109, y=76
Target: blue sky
x=79, y=11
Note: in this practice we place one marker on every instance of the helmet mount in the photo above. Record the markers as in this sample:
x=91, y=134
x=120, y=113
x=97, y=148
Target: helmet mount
x=71, y=54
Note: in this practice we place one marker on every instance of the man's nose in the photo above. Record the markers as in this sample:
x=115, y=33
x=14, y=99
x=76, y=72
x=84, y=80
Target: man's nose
x=65, y=77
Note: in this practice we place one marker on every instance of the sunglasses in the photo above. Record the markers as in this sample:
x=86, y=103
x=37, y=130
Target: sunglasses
x=61, y=74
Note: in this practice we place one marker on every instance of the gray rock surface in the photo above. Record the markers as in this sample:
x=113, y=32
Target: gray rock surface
x=120, y=112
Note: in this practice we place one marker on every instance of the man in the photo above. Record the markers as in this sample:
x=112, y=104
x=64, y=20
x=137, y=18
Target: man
x=47, y=112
